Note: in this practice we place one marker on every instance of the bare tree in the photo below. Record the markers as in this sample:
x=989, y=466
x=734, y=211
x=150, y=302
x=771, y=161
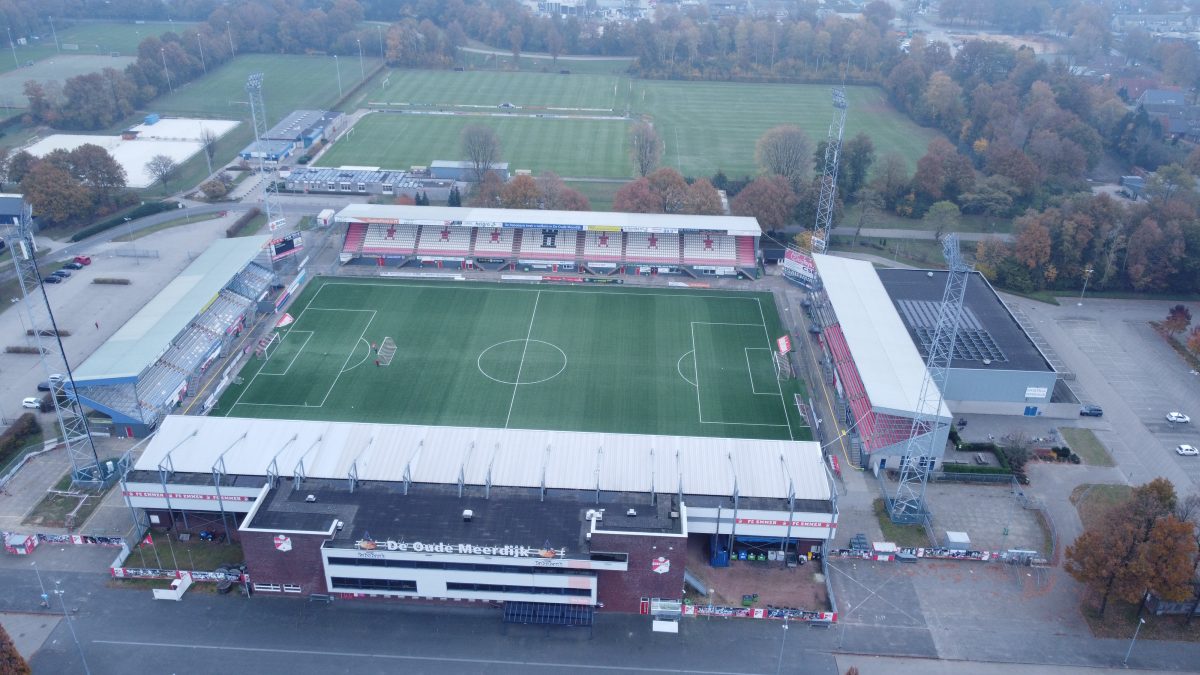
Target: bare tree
x=647, y=148
x=208, y=139
x=785, y=151
x=162, y=168
x=481, y=147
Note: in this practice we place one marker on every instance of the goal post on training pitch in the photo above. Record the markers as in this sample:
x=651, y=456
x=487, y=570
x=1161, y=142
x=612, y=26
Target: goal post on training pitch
x=387, y=350
x=783, y=364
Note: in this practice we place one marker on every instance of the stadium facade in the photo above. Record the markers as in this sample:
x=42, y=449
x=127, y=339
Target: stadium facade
x=590, y=242
x=143, y=372
x=559, y=523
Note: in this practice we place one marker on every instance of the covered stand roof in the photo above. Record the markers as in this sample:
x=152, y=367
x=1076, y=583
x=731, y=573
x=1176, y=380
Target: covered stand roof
x=497, y=457
x=536, y=218
x=888, y=363
x=148, y=334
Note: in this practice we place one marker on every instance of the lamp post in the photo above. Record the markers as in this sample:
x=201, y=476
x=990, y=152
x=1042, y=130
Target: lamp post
x=13, y=46
x=782, y=643
x=1087, y=274
x=229, y=34
x=1141, y=622
x=202, y=63
x=59, y=592
x=338, y=67
x=382, y=53
x=44, y=596
x=165, y=71
x=55, y=34
x=362, y=71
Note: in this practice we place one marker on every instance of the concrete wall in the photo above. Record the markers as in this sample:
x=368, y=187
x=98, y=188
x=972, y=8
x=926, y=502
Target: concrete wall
x=1008, y=386
x=1052, y=410
x=623, y=591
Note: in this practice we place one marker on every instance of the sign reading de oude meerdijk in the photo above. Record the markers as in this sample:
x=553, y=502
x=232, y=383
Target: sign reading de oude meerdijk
x=506, y=551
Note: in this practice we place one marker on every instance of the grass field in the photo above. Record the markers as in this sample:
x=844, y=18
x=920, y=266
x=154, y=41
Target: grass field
x=568, y=147
x=600, y=359
x=705, y=126
x=92, y=38
x=485, y=89
x=289, y=83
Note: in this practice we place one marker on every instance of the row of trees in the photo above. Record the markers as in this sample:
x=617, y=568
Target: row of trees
x=1177, y=323
x=69, y=187
x=1145, y=546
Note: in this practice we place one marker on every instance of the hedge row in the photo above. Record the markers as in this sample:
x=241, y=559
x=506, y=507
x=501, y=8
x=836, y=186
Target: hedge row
x=240, y=224
x=111, y=280
x=973, y=468
x=49, y=332
x=140, y=211
x=13, y=439
x=21, y=349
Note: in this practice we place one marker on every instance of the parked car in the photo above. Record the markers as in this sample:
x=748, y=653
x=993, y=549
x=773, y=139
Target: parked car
x=1187, y=450
x=62, y=274
x=51, y=279
x=1091, y=410
x=43, y=386
x=31, y=402
x=83, y=259
x=1178, y=417
x=73, y=266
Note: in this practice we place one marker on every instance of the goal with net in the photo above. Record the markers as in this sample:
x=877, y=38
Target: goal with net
x=783, y=366
x=267, y=346
x=387, y=350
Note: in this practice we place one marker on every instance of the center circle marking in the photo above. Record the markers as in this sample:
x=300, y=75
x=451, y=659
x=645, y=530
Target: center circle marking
x=525, y=344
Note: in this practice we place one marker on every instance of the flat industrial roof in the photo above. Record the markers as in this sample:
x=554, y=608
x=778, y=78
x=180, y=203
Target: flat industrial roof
x=147, y=335
x=535, y=218
x=501, y=457
x=987, y=330
x=888, y=362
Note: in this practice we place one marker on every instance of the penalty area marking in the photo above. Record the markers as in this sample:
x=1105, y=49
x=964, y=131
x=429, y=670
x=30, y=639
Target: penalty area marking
x=364, y=358
x=679, y=367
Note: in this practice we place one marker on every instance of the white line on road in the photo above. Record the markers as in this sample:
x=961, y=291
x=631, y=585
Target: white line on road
x=405, y=657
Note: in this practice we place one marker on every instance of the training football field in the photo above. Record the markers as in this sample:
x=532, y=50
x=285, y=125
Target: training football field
x=589, y=358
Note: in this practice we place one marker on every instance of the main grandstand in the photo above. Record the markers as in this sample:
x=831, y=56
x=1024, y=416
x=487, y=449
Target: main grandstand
x=877, y=370
x=593, y=242
x=146, y=368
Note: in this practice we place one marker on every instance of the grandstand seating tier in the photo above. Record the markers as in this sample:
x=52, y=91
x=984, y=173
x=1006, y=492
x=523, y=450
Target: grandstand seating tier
x=603, y=246
x=549, y=244
x=497, y=241
x=703, y=248
x=444, y=240
x=385, y=239
x=647, y=247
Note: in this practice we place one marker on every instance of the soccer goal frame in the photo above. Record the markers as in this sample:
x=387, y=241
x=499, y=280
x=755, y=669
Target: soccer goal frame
x=783, y=366
x=267, y=346
x=387, y=350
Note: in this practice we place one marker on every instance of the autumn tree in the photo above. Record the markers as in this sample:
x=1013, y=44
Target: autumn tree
x=11, y=661
x=769, y=199
x=702, y=199
x=1193, y=341
x=162, y=168
x=892, y=179
x=646, y=147
x=869, y=202
x=487, y=192
x=55, y=195
x=858, y=154
x=520, y=193
x=1177, y=321
x=784, y=151
x=481, y=147
x=555, y=195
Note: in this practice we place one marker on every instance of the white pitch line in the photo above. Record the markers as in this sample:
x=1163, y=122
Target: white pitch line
x=521, y=365
x=487, y=663
x=361, y=338
x=696, y=373
x=782, y=399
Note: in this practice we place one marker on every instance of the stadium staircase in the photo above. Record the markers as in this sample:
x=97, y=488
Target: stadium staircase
x=745, y=252
x=516, y=251
x=356, y=234
x=579, y=245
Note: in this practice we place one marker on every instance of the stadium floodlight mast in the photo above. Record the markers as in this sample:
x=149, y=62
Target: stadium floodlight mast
x=833, y=151
x=908, y=506
x=258, y=114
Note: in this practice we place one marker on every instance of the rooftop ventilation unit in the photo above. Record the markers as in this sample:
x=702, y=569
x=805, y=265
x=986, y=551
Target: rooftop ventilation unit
x=468, y=514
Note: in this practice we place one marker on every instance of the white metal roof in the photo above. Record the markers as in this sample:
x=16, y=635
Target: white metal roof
x=532, y=218
x=513, y=457
x=149, y=333
x=888, y=362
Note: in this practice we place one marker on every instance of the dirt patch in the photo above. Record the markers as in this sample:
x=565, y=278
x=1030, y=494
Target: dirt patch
x=775, y=585
x=1093, y=501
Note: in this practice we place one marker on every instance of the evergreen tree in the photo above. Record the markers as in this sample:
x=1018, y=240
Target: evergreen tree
x=455, y=198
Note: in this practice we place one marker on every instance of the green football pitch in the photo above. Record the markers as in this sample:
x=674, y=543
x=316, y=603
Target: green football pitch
x=603, y=359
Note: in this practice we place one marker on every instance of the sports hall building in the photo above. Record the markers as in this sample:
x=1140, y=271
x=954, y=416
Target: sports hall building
x=550, y=522
x=592, y=242
x=146, y=369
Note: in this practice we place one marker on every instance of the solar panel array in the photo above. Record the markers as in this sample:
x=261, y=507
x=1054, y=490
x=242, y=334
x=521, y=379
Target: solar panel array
x=973, y=342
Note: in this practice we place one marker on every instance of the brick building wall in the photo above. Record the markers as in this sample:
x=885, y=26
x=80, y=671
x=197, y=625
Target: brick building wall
x=302, y=565
x=623, y=591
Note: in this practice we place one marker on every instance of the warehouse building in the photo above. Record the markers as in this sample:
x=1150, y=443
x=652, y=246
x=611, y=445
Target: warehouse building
x=364, y=180
x=534, y=519
x=996, y=367
x=295, y=133
x=464, y=171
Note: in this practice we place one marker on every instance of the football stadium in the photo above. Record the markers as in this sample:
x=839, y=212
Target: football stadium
x=558, y=444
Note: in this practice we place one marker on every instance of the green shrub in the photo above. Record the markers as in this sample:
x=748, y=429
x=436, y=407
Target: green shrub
x=113, y=281
x=974, y=468
x=13, y=439
x=141, y=211
x=240, y=224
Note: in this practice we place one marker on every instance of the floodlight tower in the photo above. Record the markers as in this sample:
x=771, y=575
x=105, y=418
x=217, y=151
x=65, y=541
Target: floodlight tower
x=909, y=504
x=34, y=306
x=258, y=113
x=833, y=152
